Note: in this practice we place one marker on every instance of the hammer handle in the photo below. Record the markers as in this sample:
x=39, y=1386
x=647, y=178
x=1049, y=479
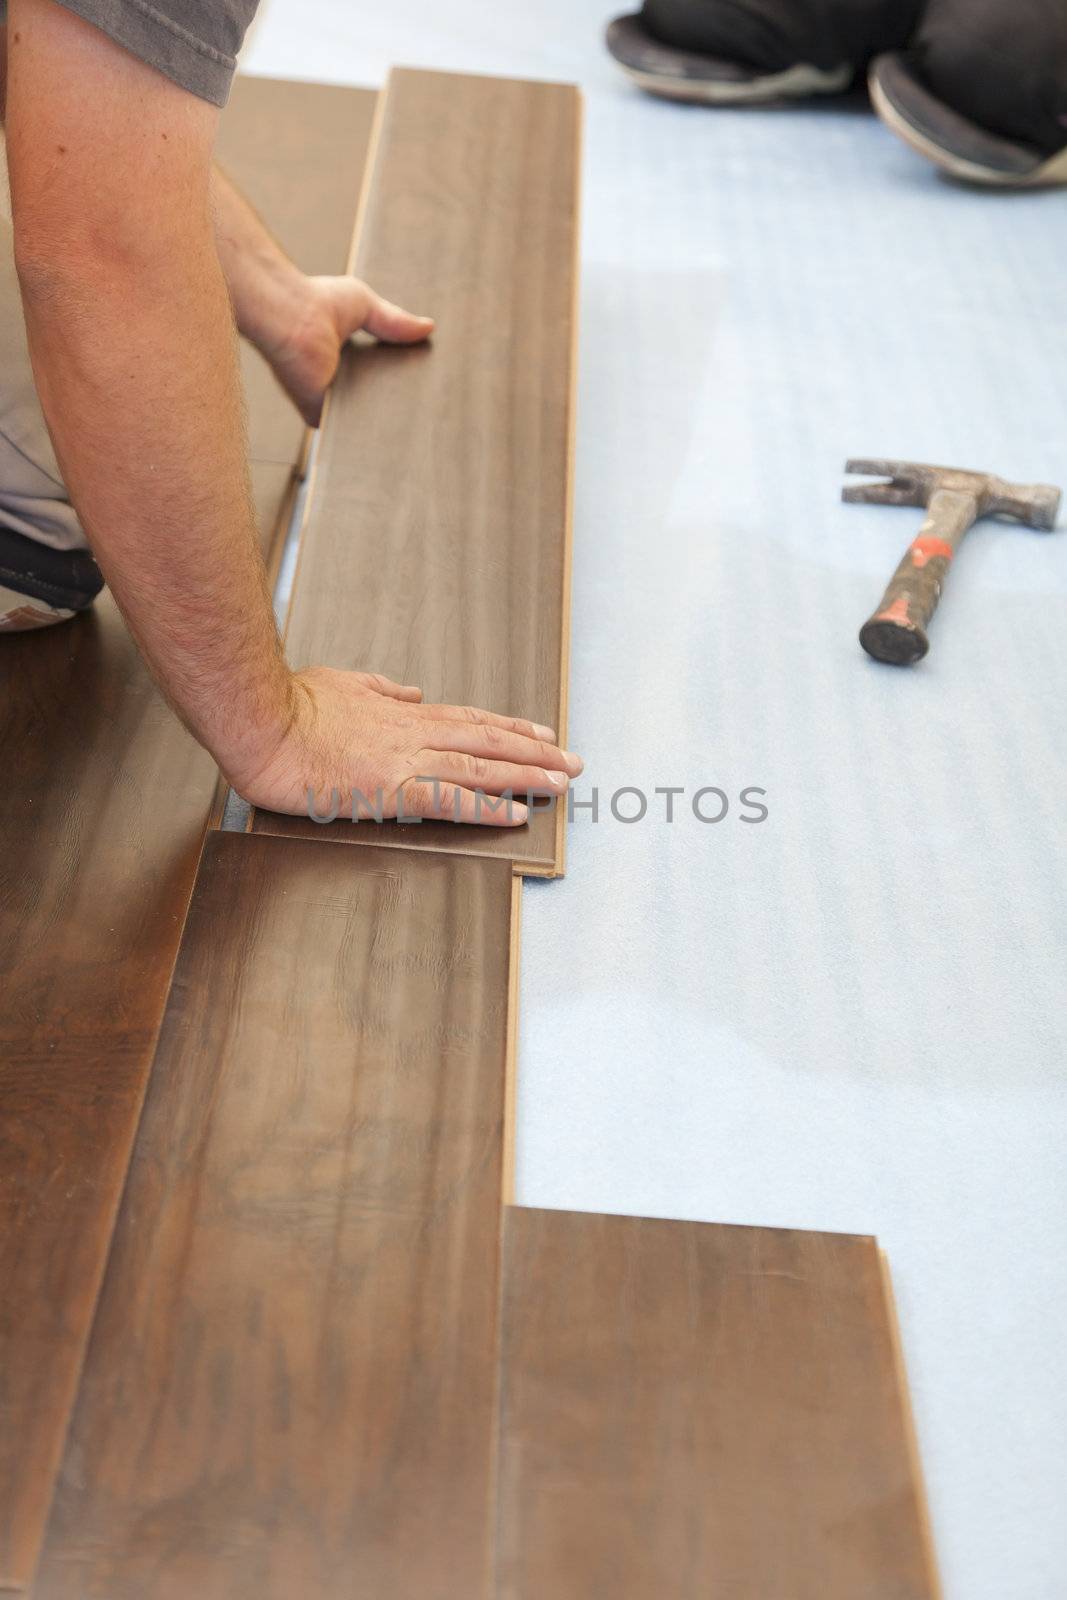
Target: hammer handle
x=896, y=632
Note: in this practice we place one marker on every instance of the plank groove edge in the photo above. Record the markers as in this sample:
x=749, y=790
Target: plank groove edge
x=563, y=721
x=511, y=1082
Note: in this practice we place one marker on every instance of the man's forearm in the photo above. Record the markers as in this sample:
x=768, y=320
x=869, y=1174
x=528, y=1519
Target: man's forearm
x=135, y=359
x=136, y=367
x=134, y=354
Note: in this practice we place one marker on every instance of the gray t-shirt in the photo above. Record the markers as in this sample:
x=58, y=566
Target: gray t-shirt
x=195, y=42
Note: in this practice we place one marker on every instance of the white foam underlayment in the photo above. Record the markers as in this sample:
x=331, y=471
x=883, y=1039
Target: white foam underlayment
x=852, y=1015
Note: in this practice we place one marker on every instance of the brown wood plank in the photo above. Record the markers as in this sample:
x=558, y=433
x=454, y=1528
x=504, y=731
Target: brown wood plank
x=290, y=1383
x=276, y=430
x=691, y=1409
x=102, y=812
x=436, y=546
x=296, y=151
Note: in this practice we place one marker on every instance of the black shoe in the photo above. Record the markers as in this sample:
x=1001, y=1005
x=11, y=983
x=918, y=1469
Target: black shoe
x=711, y=80
x=955, y=144
x=69, y=580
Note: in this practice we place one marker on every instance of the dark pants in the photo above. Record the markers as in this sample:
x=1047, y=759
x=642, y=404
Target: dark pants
x=1002, y=63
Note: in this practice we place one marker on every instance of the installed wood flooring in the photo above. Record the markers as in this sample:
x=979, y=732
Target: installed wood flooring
x=691, y=1410
x=102, y=811
x=296, y=152
x=290, y=1384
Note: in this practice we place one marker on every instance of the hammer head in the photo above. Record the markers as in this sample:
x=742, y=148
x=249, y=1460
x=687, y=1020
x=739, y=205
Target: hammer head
x=911, y=483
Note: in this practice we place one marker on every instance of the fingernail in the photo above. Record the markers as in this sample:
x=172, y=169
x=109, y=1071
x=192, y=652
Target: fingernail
x=545, y=733
x=575, y=764
x=558, y=780
x=519, y=812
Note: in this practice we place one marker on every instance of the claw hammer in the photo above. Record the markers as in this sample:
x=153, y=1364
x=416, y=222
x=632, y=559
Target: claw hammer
x=954, y=501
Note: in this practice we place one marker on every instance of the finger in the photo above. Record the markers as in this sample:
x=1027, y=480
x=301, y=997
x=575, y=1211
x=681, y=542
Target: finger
x=394, y=324
x=532, y=730
x=396, y=691
x=449, y=802
x=492, y=777
x=498, y=744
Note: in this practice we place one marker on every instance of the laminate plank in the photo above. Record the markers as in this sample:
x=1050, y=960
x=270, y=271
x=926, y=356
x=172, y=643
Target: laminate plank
x=102, y=812
x=436, y=545
x=291, y=1379
x=296, y=151
x=693, y=1409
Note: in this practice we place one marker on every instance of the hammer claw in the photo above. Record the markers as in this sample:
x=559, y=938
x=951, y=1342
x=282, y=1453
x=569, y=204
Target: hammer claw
x=882, y=494
x=901, y=471
x=905, y=487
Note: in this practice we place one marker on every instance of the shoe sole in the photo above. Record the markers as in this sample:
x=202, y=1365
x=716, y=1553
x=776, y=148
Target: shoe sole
x=1045, y=174
x=796, y=83
x=702, y=79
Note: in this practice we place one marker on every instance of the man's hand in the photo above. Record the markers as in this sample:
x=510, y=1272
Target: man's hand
x=299, y=323
x=307, y=354
x=357, y=732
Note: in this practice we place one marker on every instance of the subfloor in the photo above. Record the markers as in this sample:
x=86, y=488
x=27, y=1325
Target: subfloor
x=851, y=1015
